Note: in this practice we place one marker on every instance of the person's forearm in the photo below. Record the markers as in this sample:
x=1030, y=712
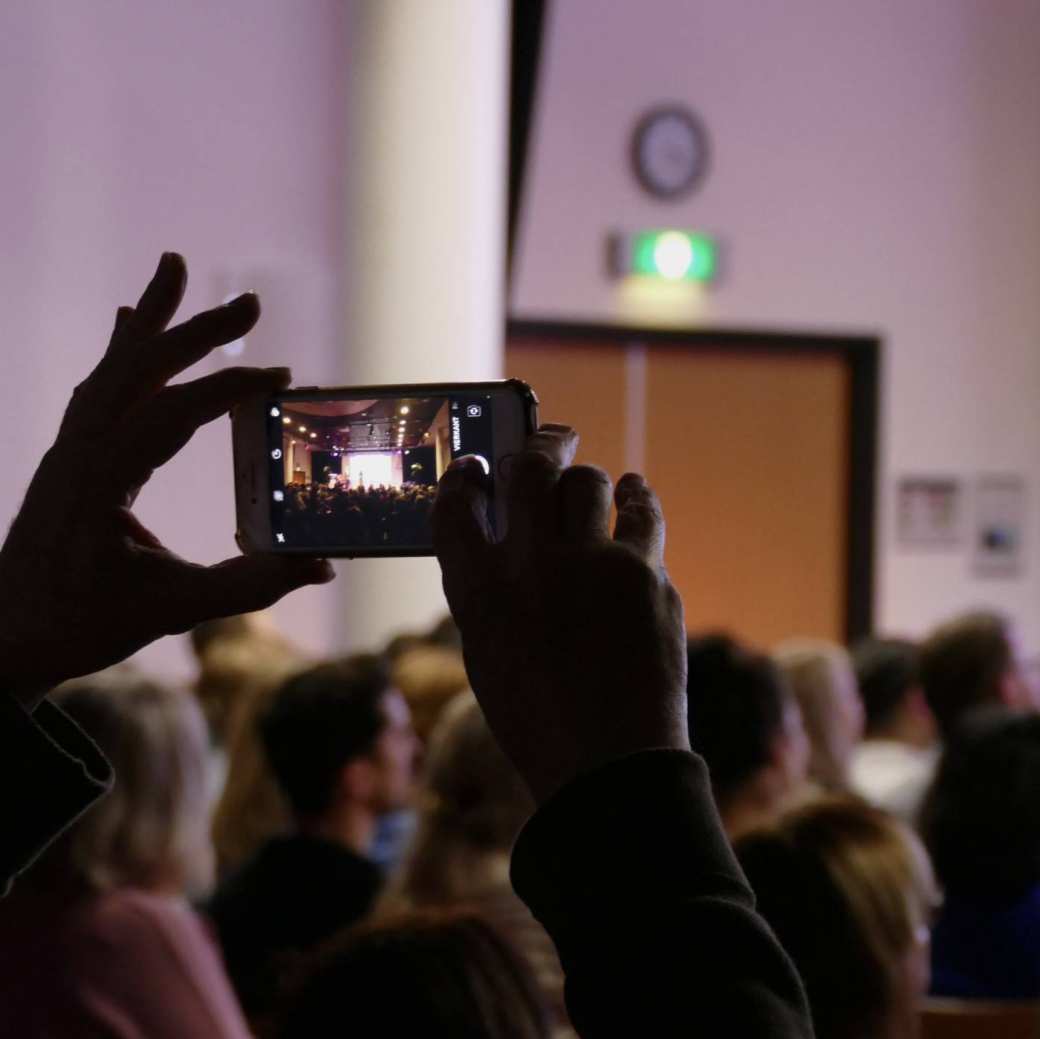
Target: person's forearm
x=630, y=872
x=50, y=772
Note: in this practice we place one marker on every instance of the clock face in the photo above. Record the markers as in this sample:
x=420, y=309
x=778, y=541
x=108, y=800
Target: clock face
x=669, y=151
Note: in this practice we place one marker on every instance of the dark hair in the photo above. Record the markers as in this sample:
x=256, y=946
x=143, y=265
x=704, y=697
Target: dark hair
x=320, y=720
x=833, y=879
x=961, y=665
x=981, y=817
x=736, y=702
x=886, y=671
x=436, y=973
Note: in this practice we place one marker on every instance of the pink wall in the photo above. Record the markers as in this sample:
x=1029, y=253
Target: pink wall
x=216, y=129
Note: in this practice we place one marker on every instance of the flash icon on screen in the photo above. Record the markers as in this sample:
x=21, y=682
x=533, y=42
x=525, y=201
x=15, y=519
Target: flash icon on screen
x=279, y=496
x=280, y=538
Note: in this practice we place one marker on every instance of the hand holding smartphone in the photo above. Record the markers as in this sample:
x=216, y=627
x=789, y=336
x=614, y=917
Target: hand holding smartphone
x=353, y=471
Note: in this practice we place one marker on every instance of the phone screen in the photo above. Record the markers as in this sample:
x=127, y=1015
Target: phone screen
x=362, y=472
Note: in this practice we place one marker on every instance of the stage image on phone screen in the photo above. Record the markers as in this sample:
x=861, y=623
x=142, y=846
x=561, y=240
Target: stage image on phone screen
x=363, y=473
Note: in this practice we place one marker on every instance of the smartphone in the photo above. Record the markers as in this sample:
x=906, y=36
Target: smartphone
x=353, y=471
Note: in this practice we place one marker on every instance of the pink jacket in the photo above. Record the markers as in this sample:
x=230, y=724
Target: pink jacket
x=123, y=965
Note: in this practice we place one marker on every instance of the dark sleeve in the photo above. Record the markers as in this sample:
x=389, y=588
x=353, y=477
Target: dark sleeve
x=50, y=773
x=629, y=870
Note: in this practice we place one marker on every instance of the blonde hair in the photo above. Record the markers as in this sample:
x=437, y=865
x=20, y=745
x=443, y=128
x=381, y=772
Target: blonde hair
x=819, y=674
x=251, y=808
x=151, y=830
x=472, y=808
x=429, y=677
x=849, y=891
x=235, y=655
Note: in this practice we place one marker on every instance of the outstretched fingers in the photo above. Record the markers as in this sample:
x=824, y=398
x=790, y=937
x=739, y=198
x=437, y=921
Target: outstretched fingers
x=169, y=422
x=142, y=357
x=640, y=521
x=158, y=302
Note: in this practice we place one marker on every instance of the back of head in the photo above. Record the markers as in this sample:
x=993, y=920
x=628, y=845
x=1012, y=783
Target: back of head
x=963, y=665
x=429, y=677
x=151, y=830
x=238, y=657
x=474, y=804
x=821, y=676
x=430, y=973
x=319, y=721
x=981, y=819
x=847, y=890
x=736, y=703
x=886, y=674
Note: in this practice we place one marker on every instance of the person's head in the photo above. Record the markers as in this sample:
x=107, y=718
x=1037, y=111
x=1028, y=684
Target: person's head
x=340, y=734
x=151, y=831
x=981, y=817
x=849, y=892
x=970, y=662
x=429, y=677
x=821, y=676
x=893, y=702
x=423, y=973
x=236, y=656
x=744, y=722
x=472, y=807
x=251, y=808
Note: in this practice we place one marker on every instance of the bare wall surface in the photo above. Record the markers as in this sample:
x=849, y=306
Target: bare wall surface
x=875, y=169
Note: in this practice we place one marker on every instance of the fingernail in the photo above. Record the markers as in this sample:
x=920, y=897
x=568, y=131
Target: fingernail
x=244, y=297
x=464, y=462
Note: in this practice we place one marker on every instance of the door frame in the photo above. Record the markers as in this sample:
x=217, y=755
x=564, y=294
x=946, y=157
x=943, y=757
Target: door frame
x=861, y=355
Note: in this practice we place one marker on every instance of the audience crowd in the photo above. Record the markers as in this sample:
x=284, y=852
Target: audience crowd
x=317, y=514
x=426, y=841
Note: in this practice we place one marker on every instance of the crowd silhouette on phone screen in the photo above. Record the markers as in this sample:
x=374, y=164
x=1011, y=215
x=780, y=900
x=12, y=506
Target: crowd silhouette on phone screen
x=369, y=517
x=556, y=813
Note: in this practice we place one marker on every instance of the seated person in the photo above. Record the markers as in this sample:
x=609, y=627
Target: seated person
x=746, y=723
x=473, y=805
x=824, y=684
x=340, y=744
x=429, y=973
x=98, y=939
x=971, y=662
x=894, y=764
x=849, y=892
x=981, y=822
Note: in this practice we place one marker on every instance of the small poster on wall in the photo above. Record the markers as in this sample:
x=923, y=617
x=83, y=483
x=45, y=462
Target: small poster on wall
x=929, y=512
x=1000, y=523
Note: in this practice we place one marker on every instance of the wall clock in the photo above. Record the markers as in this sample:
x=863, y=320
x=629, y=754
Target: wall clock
x=669, y=151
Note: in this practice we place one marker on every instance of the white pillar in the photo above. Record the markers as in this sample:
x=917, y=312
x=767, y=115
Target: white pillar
x=426, y=176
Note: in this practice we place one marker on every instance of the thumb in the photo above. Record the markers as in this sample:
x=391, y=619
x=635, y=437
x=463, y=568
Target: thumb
x=247, y=583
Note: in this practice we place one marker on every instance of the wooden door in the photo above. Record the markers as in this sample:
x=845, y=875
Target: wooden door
x=748, y=450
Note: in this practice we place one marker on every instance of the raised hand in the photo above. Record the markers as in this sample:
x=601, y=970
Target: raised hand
x=82, y=583
x=574, y=640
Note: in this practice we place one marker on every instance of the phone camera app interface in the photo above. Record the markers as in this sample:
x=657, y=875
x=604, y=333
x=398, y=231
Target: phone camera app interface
x=363, y=473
